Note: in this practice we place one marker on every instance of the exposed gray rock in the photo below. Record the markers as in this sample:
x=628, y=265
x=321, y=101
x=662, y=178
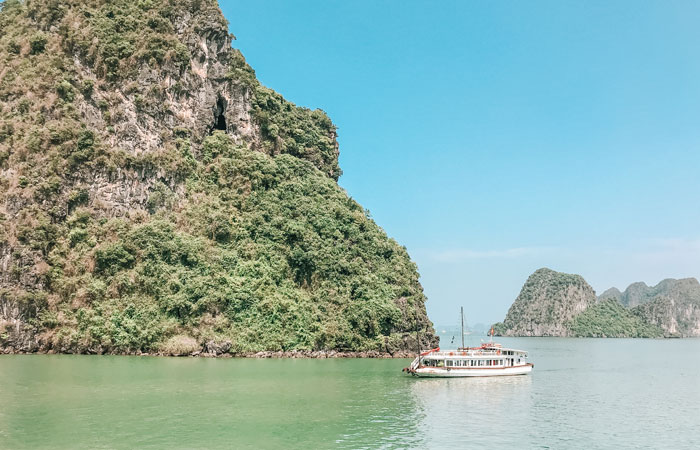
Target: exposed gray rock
x=217, y=348
x=673, y=305
x=546, y=302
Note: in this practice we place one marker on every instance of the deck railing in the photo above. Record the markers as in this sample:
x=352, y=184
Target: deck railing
x=474, y=353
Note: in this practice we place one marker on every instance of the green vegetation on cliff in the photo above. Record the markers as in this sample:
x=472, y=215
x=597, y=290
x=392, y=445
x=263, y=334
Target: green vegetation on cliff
x=557, y=304
x=155, y=197
x=609, y=318
x=547, y=300
x=267, y=253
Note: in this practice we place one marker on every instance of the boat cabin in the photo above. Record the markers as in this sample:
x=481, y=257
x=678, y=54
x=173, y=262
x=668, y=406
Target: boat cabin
x=486, y=356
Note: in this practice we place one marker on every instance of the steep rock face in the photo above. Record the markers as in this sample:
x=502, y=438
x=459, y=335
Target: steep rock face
x=554, y=304
x=152, y=191
x=198, y=98
x=674, y=306
x=639, y=293
x=547, y=301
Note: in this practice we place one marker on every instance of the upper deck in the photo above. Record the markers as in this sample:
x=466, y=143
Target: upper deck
x=487, y=350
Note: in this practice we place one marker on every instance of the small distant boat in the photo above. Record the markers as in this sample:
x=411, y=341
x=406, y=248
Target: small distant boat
x=488, y=360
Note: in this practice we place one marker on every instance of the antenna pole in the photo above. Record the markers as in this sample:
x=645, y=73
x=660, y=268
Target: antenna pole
x=417, y=334
x=461, y=313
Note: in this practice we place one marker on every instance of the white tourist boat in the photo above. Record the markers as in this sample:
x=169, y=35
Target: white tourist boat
x=488, y=360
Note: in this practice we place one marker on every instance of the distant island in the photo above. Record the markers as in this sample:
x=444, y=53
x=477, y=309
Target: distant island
x=559, y=304
x=157, y=198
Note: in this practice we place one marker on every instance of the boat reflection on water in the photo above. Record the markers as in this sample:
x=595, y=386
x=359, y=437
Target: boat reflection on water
x=486, y=391
x=471, y=401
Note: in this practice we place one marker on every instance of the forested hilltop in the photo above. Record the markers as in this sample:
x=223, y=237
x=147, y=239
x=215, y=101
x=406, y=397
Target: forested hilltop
x=155, y=197
x=559, y=304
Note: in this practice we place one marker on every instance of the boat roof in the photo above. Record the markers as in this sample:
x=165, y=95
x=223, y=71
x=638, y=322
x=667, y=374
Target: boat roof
x=486, y=349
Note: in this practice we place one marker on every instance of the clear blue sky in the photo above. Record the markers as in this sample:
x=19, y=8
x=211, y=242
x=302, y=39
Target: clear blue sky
x=492, y=138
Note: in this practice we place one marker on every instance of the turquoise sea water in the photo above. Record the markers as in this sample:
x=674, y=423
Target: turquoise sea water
x=584, y=393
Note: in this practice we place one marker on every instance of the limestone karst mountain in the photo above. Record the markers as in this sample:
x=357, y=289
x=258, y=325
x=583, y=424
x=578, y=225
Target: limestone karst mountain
x=558, y=304
x=155, y=197
x=547, y=301
x=673, y=305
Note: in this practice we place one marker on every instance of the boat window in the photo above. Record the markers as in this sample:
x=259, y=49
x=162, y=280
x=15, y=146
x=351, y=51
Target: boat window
x=449, y=363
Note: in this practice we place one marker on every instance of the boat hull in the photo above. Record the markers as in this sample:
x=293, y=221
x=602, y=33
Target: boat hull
x=446, y=372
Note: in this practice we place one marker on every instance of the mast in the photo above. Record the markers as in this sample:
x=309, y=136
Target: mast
x=417, y=334
x=461, y=313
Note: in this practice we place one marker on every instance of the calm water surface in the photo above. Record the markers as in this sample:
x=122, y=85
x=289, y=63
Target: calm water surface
x=584, y=393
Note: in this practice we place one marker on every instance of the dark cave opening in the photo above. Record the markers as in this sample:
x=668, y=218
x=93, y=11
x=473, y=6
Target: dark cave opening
x=220, y=115
x=220, y=123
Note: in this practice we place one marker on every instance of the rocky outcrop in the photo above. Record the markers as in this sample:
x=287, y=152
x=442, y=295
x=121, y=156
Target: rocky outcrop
x=639, y=293
x=557, y=304
x=197, y=100
x=673, y=305
x=156, y=198
x=547, y=301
